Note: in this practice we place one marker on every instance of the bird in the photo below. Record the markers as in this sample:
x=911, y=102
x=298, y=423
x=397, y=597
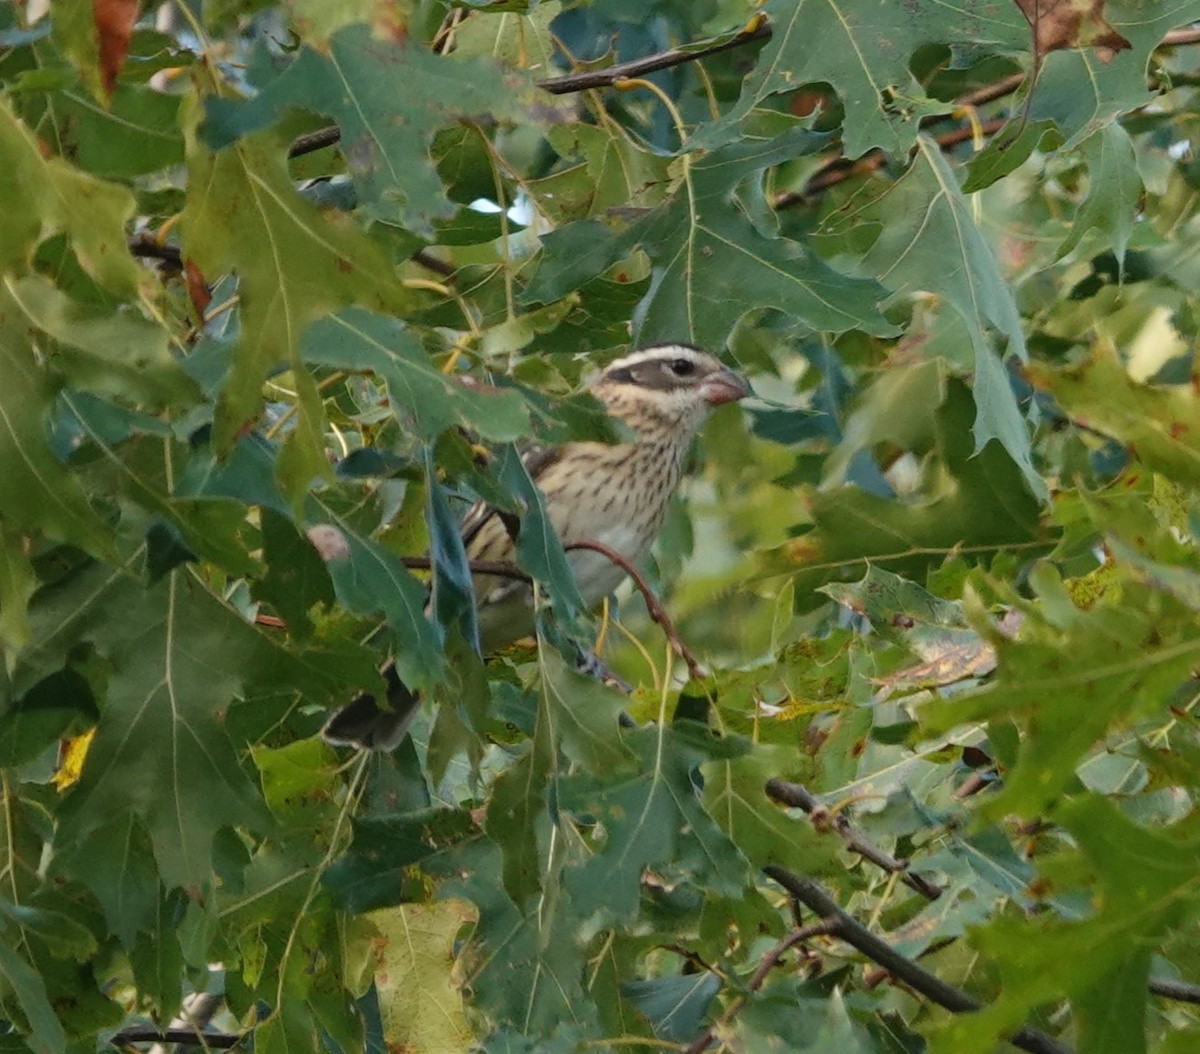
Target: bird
x=615, y=494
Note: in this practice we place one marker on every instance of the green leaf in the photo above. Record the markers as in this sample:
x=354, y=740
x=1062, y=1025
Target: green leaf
x=372, y=873
x=157, y=958
x=43, y=198
x=317, y=264
x=115, y=862
x=176, y=657
x=114, y=355
x=539, y=550
x=17, y=583
x=1145, y=878
x=933, y=243
x=52, y=923
x=421, y=1002
x=976, y=505
x=135, y=134
x=1161, y=424
x=44, y=1032
x=425, y=400
x=59, y=705
x=388, y=99
x=1005, y=153
x=712, y=263
x=297, y=580
x=1082, y=91
x=865, y=52
x=1071, y=676
x=36, y=490
x=370, y=579
x=1114, y=192
x=649, y=820
x=674, y=1006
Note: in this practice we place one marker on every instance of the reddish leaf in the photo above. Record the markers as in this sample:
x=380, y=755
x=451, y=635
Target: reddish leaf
x=114, y=24
x=197, y=288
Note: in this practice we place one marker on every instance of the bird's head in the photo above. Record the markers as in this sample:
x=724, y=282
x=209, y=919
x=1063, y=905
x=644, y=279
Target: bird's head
x=666, y=389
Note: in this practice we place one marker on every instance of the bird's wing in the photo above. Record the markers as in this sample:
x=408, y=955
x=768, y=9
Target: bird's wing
x=536, y=459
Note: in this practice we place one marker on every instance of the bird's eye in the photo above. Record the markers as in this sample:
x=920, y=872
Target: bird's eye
x=683, y=367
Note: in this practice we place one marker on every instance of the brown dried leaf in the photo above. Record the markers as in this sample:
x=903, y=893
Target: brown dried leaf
x=1062, y=24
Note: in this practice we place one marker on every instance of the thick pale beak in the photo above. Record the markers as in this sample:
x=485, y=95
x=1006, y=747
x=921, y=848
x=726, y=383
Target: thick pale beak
x=723, y=386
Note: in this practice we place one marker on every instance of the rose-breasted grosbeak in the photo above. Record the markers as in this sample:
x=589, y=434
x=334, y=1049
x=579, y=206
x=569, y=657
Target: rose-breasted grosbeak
x=614, y=494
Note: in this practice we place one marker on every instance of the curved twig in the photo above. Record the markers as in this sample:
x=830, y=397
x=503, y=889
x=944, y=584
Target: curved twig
x=657, y=612
x=772, y=958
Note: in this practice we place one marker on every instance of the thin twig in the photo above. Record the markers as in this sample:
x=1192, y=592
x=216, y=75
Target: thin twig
x=314, y=141
x=657, y=612
x=1180, y=36
x=854, y=933
x=605, y=78
x=772, y=958
x=573, y=82
x=496, y=568
x=839, y=169
x=800, y=797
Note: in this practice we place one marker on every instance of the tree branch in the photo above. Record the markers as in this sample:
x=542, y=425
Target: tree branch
x=1179, y=990
x=605, y=78
x=849, y=929
x=799, y=797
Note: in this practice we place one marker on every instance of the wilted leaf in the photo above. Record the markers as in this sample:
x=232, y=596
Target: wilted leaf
x=1059, y=24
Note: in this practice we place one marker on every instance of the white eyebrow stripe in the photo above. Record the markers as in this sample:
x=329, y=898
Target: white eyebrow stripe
x=658, y=352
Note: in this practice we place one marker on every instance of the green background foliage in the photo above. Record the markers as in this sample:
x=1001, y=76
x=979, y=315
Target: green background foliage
x=942, y=569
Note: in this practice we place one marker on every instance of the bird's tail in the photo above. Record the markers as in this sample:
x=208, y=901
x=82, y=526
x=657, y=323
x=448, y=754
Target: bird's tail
x=364, y=724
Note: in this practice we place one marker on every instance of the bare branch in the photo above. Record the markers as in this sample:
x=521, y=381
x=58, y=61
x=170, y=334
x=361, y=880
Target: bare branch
x=849, y=929
x=799, y=797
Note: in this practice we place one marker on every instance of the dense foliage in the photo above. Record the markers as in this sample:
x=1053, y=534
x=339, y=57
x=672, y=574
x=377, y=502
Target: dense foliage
x=942, y=572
